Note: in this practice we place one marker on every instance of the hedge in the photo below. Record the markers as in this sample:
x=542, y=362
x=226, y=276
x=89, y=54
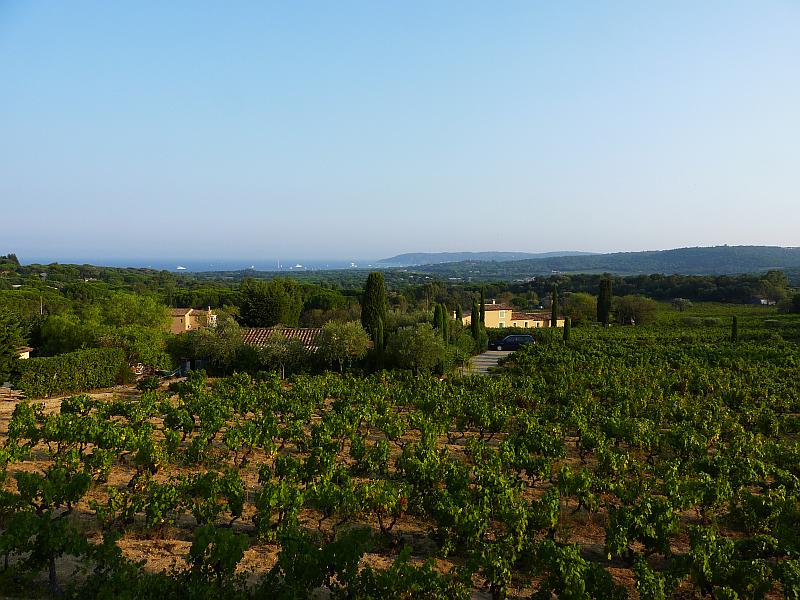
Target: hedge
x=71, y=372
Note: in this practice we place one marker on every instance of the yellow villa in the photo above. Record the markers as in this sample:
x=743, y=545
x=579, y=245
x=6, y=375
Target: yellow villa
x=502, y=315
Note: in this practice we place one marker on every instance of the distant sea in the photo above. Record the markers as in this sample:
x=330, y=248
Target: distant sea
x=197, y=266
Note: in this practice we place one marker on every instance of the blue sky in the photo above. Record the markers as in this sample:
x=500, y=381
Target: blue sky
x=344, y=129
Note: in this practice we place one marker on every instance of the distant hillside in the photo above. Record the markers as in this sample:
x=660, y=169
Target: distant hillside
x=717, y=260
x=433, y=258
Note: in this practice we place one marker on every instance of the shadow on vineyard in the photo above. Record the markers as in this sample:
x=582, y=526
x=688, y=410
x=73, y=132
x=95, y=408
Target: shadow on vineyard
x=656, y=462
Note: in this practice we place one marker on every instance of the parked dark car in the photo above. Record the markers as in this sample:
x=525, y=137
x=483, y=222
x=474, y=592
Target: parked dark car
x=512, y=342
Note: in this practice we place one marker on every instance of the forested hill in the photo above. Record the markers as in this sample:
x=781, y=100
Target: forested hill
x=717, y=260
x=432, y=258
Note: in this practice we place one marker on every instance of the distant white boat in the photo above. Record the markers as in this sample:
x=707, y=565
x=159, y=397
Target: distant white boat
x=180, y=268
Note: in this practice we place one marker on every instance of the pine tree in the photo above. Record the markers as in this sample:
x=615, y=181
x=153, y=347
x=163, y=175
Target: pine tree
x=735, y=330
x=554, y=308
x=604, y=301
x=567, y=328
x=374, y=306
x=483, y=306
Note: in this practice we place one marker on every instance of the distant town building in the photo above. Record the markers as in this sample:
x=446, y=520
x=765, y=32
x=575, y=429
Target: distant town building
x=189, y=319
x=24, y=352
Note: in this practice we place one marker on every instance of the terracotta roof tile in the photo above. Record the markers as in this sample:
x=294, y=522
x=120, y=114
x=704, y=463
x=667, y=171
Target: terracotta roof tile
x=493, y=307
x=257, y=336
x=528, y=316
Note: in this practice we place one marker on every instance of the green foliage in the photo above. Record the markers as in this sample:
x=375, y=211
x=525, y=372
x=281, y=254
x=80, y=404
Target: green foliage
x=404, y=581
x=554, y=307
x=635, y=310
x=580, y=307
x=420, y=348
x=125, y=309
x=268, y=303
x=651, y=584
x=282, y=354
x=342, y=343
x=304, y=564
x=71, y=372
x=570, y=576
x=214, y=555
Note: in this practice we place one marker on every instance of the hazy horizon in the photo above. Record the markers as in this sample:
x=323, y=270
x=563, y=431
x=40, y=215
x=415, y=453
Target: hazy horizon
x=339, y=132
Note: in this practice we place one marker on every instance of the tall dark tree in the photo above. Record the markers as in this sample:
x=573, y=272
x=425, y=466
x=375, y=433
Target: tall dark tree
x=483, y=306
x=374, y=305
x=604, y=301
x=437, y=316
x=10, y=342
x=444, y=323
x=460, y=314
x=474, y=322
x=735, y=330
x=567, y=329
x=379, y=344
x=554, y=308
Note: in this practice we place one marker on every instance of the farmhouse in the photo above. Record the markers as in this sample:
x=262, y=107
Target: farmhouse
x=502, y=315
x=189, y=319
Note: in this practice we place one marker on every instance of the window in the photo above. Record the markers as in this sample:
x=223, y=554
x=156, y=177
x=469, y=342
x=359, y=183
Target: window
x=501, y=324
x=502, y=314
x=526, y=323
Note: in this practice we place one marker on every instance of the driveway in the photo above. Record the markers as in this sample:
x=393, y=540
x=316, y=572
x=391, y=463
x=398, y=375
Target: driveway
x=482, y=362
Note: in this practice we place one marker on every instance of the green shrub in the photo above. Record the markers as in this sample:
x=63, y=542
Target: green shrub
x=71, y=372
x=712, y=321
x=691, y=321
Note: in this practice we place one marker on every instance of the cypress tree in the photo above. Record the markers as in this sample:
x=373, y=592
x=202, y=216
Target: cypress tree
x=554, y=308
x=735, y=330
x=437, y=316
x=445, y=316
x=379, y=344
x=475, y=324
x=567, y=328
x=459, y=314
x=374, y=305
x=10, y=342
x=604, y=301
x=483, y=306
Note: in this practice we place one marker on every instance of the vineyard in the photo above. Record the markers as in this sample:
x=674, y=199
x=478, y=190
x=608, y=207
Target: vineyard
x=626, y=463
